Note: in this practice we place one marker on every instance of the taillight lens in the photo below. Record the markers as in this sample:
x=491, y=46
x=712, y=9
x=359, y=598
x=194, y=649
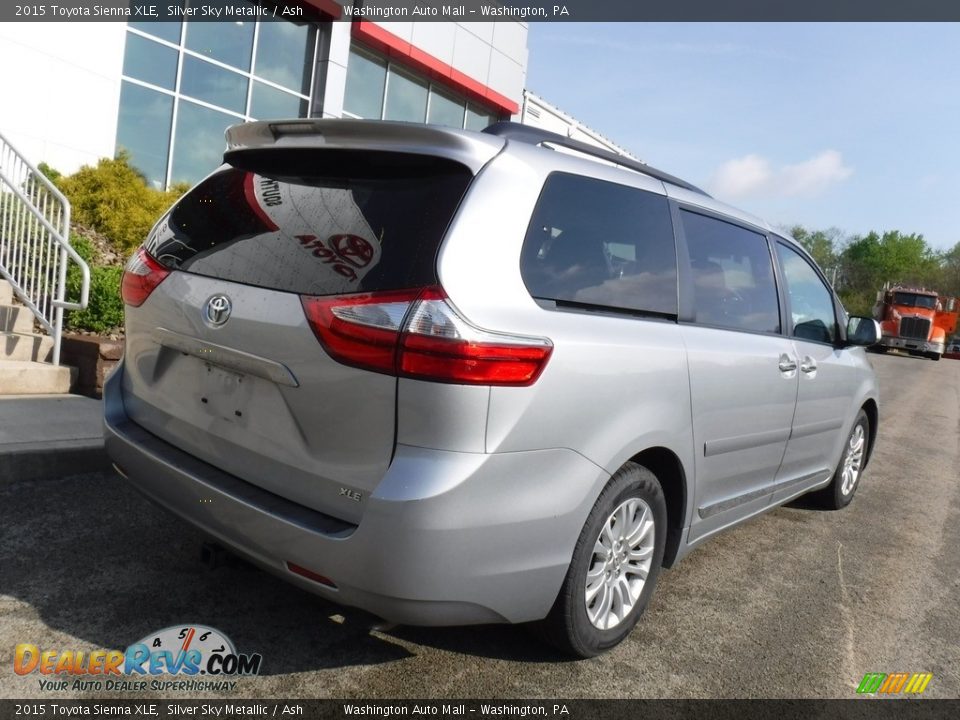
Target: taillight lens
x=141, y=277
x=419, y=334
x=360, y=330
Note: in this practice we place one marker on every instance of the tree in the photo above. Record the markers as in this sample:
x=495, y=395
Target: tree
x=823, y=245
x=872, y=260
x=950, y=267
x=868, y=262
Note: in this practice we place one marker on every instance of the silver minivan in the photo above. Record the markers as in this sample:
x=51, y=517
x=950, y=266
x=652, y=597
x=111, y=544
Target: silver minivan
x=454, y=377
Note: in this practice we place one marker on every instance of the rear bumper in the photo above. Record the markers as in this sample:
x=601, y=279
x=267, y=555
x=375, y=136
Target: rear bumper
x=446, y=539
x=910, y=344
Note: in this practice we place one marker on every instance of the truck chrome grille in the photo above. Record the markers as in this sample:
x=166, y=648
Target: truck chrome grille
x=915, y=327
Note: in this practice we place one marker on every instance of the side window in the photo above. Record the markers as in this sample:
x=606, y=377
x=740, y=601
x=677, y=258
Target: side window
x=811, y=302
x=599, y=243
x=732, y=275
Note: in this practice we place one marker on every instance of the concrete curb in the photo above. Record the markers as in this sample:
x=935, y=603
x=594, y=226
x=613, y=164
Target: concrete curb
x=51, y=460
x=48, y=437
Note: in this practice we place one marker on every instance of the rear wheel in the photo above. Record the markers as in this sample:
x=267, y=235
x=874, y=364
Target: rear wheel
x=839, y=492
x=614, y=568
x=934, y=356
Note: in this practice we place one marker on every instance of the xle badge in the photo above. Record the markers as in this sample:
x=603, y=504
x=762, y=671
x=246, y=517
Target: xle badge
x=352, y=494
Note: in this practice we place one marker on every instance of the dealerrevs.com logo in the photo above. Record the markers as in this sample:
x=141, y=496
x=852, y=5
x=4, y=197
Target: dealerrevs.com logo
x=168, y=660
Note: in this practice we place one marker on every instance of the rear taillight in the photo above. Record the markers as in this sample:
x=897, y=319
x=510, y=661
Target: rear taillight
x=360, y=330
x=419, y=334
x=141, y=277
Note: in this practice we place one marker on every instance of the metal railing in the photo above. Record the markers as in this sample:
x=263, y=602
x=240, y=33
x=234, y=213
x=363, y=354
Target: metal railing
x=35, y=243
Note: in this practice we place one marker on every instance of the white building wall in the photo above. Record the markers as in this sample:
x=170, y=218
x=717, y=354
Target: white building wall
x=492, y=53
x=333, y=69
x=60, y=90
x=537, y=112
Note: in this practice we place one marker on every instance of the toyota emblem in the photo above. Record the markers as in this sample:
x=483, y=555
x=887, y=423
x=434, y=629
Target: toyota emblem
x=217, y=311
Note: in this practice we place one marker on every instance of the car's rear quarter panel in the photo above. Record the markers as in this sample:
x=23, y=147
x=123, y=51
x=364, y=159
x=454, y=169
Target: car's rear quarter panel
x=614, y=385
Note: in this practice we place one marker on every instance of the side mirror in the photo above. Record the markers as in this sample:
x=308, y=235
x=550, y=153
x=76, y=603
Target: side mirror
x=862, y=331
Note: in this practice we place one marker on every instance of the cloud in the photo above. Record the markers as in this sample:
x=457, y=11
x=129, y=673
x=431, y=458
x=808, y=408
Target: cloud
x=742, y=177
x=753, y=176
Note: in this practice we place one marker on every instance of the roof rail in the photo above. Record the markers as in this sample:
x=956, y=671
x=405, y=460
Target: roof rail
x=536, y=136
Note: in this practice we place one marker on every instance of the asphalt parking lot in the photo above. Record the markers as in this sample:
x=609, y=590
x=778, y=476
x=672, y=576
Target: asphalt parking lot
x=798, y=603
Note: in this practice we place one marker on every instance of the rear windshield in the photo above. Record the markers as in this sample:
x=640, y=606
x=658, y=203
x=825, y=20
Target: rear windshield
x=315, y=222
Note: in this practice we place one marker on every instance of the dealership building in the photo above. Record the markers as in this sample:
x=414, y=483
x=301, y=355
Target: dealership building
x=165, y=91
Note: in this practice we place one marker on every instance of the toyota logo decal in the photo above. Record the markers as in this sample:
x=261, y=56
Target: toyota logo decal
x=217, y=311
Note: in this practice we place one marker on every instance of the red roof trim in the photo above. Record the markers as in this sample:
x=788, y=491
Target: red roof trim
x=396, y=48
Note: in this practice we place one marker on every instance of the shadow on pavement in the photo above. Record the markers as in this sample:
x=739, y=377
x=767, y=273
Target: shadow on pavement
x=98, y=562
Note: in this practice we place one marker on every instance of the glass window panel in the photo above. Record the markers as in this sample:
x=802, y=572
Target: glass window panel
x=445, y=110
x=285, y=55
x=199, y=142
x=406, y=99
x=811, y=302
x=169, y=31
x=732, y=272
x=150, y=61
x=228, y=42
x=599, y=243
x=478, y=118
x=270, y=103
x=319, y=222
x=363, y=95
x=213, y=84
x=143, y=130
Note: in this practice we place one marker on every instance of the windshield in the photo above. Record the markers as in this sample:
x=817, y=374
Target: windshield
x=915, y=300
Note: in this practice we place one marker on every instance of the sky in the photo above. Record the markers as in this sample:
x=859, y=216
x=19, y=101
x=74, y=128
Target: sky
x=853, y=126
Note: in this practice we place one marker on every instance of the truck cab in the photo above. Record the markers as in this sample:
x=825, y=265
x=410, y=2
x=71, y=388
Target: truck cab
x=917, y=320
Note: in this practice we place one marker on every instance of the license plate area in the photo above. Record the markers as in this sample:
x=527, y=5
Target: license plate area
x=225, y=394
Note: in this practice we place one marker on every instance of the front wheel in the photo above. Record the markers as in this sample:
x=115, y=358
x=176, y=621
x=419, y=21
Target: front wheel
x=934, y=356
x=614, y=568
x=839, y=492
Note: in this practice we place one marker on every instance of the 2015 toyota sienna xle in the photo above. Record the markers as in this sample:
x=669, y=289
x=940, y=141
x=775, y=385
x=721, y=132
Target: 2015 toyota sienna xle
x=454, y=377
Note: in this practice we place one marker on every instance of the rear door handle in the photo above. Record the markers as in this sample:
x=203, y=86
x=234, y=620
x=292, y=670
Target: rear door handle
x=808, y=365
x=787, y=364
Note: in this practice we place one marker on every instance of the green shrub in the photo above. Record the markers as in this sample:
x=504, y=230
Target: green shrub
x=52, y=174
x=104, y=312
x=83, y=247
x=858, y=302
x=115, y=200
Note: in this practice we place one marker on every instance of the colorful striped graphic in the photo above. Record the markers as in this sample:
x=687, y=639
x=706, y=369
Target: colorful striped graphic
x=894, y=683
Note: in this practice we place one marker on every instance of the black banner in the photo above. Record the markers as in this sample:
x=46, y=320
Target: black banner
x=482, y=11
x=859, y=709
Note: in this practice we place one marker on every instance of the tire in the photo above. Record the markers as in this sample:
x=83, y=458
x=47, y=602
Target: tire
x=934, y=356
x=631, y=499
x=840, y=491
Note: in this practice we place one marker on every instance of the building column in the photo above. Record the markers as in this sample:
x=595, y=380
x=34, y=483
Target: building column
x=330, y=75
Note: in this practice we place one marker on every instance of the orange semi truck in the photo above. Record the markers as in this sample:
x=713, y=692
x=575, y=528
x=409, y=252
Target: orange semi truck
x=916, y=320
